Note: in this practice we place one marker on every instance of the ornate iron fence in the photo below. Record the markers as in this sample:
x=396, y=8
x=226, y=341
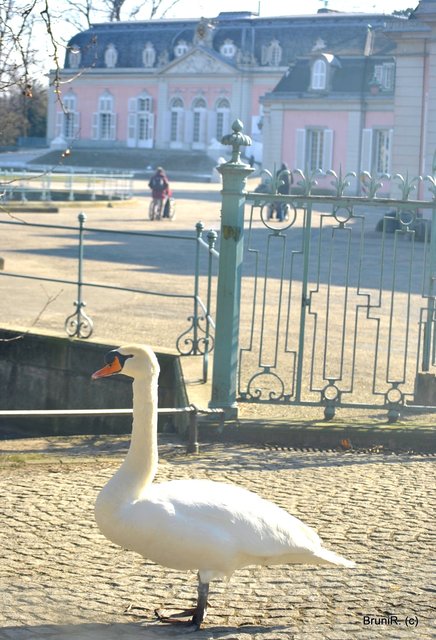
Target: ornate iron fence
x=72, y=185
x=196, y=340
x=337, y=293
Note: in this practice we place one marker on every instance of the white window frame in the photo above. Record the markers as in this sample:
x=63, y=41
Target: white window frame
x=140, y=131
x=318, y=140
x=385, y=75
x=177, y=112
x=111, y=56
x=314, y=149
x=74, y=57
x=275, y=53
x=67, y=120
x=271, y=54
x=148, y=55
x=222, y=118
x=199, y=122
x=104, y=120
x=376, y=156
x=318, y=80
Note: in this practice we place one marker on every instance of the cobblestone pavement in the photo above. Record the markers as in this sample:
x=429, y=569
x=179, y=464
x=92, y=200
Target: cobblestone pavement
x=60, y=579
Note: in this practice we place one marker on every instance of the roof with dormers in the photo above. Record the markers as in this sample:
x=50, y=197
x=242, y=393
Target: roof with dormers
x=340, y=33
x=352, y=75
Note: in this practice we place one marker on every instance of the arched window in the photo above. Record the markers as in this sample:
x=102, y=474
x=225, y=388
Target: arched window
x=222, y=118
x=103, y=123
x=275, y=53
x=272, y=54
x=181, y=48
x=199, y=103
x=144, y=102
x=199, y=107
x=176, y=122
x=140, y=121
x=74, y=57
x=148, y=55
x=67, y=120
x=106, y=102
x=319, y=75
x=111, y=56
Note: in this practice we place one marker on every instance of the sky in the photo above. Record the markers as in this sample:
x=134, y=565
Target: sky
x=211, y=8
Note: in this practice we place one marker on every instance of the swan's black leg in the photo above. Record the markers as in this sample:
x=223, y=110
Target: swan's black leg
x=198, y=614
x=201, y=609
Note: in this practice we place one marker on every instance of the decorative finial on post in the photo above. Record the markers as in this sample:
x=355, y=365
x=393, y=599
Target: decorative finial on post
x=236, y=140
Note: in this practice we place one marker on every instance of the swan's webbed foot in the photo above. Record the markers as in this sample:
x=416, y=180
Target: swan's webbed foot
x=194, y=616
x=131, y=608
x=180, y=617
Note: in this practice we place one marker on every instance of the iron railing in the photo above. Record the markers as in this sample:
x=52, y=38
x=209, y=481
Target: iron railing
x=192, y=411
x=338, y=285
x=196, y=340
x=73, y=185
x=340, y=306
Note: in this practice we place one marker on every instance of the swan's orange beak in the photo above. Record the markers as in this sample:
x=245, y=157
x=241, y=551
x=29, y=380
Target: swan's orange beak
x=108, y=370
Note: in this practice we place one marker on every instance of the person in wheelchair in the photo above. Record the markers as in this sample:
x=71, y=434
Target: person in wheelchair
x=160, y=191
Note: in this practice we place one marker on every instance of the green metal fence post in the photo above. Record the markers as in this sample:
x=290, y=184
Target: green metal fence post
x=234, y=175
x=428, y=354
x=79, y=324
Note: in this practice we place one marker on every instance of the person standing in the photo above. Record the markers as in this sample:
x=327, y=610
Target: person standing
x=160, y=190
x=284, y=178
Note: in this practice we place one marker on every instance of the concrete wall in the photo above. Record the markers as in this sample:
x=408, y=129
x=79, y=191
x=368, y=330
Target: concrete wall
x=40, y=371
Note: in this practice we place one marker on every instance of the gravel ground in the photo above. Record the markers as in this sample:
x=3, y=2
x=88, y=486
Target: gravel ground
x=60, y=579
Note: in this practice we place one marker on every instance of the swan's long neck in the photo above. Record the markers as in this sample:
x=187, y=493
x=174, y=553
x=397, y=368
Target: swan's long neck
x=142, y=458
x=140, y=465
x=136, y=474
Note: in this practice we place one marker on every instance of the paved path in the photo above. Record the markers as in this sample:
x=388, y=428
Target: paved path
x=60, y=579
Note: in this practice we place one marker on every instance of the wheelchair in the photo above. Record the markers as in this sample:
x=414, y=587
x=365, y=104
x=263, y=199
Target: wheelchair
x=160, y=208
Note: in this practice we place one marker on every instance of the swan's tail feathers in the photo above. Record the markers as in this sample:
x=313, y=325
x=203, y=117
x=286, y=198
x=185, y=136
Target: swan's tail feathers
x=325, y=556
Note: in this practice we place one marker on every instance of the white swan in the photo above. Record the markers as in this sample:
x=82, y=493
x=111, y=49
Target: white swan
x=212, y=527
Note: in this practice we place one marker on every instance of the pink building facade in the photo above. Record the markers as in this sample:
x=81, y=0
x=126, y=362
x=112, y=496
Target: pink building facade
x=165, y=84
x=353, y=92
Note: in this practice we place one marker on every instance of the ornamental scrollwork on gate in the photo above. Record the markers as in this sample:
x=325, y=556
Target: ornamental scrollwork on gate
x=79, y=324
x=191, y=343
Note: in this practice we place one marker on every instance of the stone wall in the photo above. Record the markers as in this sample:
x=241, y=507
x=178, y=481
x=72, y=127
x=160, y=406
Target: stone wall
x=425, y=393
x=40, y=371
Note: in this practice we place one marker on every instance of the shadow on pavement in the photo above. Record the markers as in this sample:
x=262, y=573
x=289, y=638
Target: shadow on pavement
x=137, y=631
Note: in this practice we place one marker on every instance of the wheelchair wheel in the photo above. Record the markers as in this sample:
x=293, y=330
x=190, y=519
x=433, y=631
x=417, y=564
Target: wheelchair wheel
x=170, y=209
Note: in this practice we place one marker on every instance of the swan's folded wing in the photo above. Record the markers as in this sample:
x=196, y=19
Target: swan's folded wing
x=195, y=524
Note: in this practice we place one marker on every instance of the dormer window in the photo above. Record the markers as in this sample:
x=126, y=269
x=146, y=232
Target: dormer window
x=384, y=75
x=181, y=48
x=74, y=57
x=148, y=55
x=111, y=56
x=272, y=54
x=323, y=69
x=275, y=53
x=228, y=49
x=319, y=75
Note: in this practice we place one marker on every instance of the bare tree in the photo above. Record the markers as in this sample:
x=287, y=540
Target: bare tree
x=17, y=52
x=116, y=10
x=154, y=8
x=19, y=18
x=81, y=14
